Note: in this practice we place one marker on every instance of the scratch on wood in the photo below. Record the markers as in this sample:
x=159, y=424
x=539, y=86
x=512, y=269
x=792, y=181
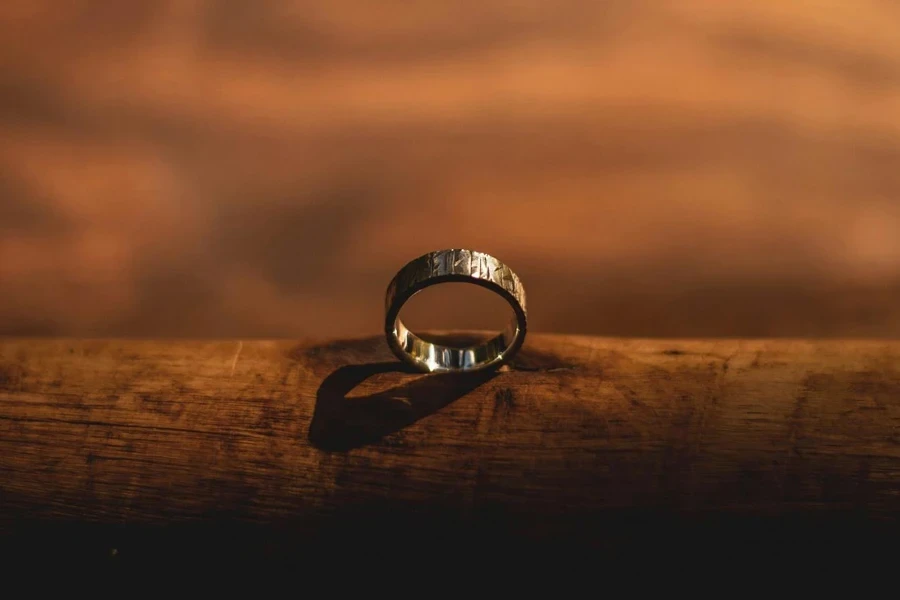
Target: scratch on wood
x=236, y=355
x=727, y=362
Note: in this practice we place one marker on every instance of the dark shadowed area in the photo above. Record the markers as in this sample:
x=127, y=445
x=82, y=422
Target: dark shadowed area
x=219, y=168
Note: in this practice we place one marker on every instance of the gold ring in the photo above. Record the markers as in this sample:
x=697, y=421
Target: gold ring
x=443, y=266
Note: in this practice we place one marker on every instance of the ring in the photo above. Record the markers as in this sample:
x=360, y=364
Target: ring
x=443, y=266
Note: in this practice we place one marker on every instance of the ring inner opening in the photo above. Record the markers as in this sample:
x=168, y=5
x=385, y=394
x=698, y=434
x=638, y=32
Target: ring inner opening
x=471, y=312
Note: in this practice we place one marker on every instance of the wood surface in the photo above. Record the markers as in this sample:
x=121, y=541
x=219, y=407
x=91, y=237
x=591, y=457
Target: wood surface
x=242, y=445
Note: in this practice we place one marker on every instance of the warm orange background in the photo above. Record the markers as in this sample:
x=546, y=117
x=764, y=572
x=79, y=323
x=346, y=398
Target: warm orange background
x=223, y=168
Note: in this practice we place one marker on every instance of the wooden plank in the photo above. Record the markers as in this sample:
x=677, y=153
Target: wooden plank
x=584, y=440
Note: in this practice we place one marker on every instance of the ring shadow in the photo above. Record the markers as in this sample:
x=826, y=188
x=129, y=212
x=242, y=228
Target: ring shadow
x=343, y=423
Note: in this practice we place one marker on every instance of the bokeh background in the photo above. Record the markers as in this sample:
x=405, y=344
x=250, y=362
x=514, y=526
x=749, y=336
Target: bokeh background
x=262, y=168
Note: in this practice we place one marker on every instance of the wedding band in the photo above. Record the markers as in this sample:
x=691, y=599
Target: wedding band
x=443, y=266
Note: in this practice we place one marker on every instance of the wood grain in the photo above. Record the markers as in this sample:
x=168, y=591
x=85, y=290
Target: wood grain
x=584, y=441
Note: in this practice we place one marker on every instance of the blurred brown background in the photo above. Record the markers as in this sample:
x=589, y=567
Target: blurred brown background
x=224, y=168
